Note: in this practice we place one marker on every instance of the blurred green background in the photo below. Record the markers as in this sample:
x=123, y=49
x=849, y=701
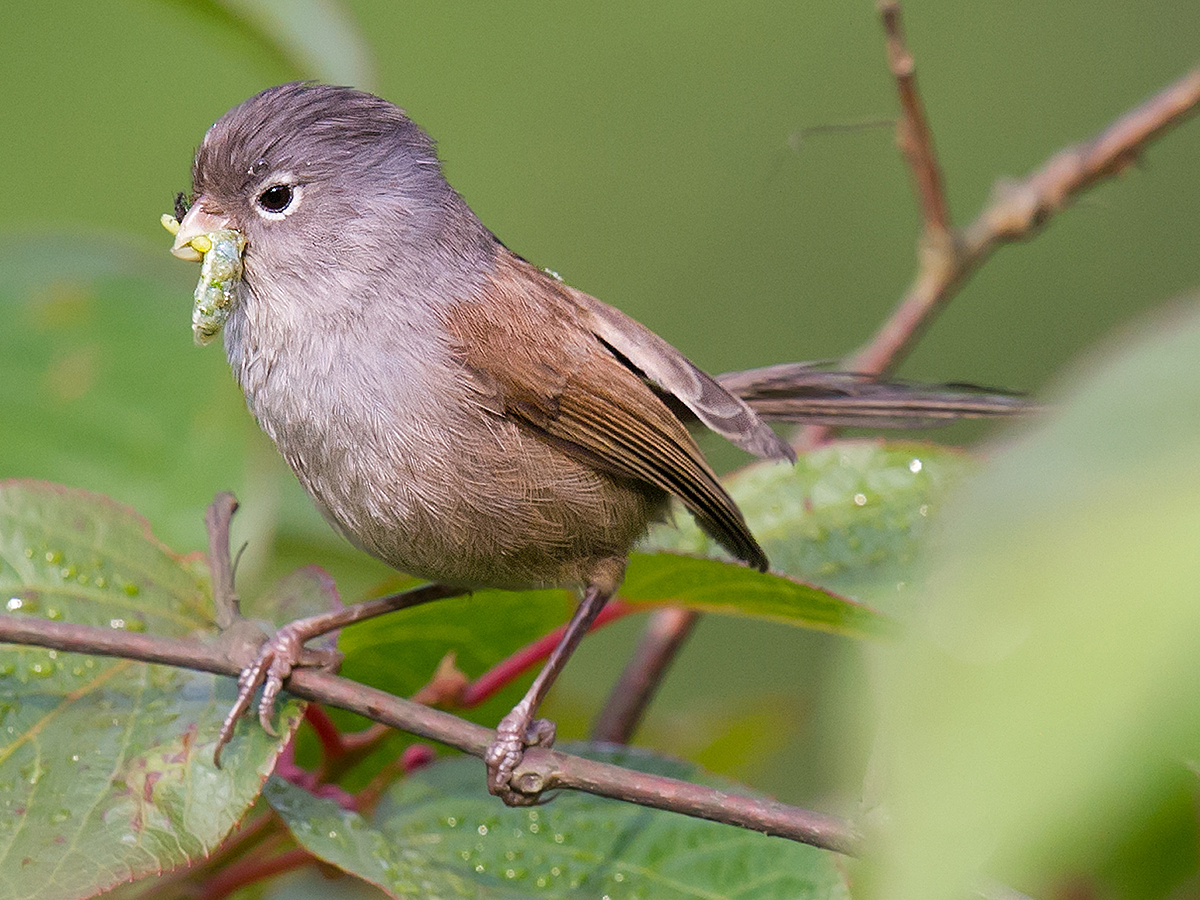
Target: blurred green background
x=648, y=152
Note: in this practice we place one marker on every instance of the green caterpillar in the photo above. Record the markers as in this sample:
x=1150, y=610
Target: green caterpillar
x=220, y=271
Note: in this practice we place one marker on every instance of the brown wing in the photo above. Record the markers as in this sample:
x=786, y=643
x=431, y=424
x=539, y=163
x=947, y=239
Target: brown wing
x=675, y=374
x=563, y=381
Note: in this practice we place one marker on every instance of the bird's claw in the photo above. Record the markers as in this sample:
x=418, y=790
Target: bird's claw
x=276, y=658
x=514, y=735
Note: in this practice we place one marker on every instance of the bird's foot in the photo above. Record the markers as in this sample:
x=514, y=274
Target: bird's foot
x=276, y=658
x=516, y=732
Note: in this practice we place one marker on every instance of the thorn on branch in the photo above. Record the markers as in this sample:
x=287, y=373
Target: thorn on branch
x=217, y=520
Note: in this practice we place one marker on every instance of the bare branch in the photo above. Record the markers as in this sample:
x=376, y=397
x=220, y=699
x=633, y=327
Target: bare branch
x=912, y=129
x=541, y=770
x=665, y=634
x=1017, y=211
x=946, y=259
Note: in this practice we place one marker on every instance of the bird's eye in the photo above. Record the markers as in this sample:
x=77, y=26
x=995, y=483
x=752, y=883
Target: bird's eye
x=277, y=198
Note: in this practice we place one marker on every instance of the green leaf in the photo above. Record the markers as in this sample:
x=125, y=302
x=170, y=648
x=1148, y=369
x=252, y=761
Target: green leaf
x=1039, y=718
x=319, y=37
x=712, y=585
x=105, y=764
x=849, y=517
x=439, y=834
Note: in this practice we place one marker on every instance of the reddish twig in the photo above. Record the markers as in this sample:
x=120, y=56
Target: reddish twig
x=912, y=128
x=541, y=770
x=1018, y=209
x=252, y=870
x=508, y=670
x=414, y=757
x=366, y=740
x=333, y=744
x=662, y=639
x=355, y=748
x=313, y=782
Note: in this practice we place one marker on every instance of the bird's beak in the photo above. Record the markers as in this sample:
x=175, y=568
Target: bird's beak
x=197, y=223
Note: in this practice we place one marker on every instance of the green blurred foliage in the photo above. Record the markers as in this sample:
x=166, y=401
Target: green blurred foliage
x=1040, y=720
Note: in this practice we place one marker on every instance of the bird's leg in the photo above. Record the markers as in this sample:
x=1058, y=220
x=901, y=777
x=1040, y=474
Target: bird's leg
x=284, y=650
x=519, y=729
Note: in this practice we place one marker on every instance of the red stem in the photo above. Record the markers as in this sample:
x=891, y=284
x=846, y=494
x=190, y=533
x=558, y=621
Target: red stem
x=505, y=672
x=252, y=870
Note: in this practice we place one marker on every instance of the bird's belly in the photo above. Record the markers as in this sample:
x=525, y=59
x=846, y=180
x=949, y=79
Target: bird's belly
x=410, y=468
x=494, y=507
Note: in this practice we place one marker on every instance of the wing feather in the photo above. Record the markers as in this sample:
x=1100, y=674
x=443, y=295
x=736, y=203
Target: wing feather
x=531, y=340
x=675, y=374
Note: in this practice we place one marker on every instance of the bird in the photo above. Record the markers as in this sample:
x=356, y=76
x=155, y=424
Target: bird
x=452, y=409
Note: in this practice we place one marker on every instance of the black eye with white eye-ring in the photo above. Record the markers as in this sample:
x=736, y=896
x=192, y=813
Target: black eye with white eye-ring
x=278, y=200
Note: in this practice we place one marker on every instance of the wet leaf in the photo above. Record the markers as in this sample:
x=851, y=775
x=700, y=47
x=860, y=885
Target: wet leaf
x=106, y=767
x=439, y=834
x=849, y=517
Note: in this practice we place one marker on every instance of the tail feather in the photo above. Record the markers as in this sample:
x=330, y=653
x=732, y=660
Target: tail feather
x=800, y=392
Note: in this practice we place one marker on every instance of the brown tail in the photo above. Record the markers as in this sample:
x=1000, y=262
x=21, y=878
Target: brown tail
x=801, y=392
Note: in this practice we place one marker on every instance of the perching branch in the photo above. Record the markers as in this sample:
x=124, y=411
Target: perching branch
x=542, y=769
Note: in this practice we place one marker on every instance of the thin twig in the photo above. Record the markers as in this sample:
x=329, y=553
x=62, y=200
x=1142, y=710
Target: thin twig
x=801, y=136
x=333, y=744
x=662, y=639
x=541, y=770
x=216, y=521
x=252, y=871
x=1018, y=209
x=912, y=128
